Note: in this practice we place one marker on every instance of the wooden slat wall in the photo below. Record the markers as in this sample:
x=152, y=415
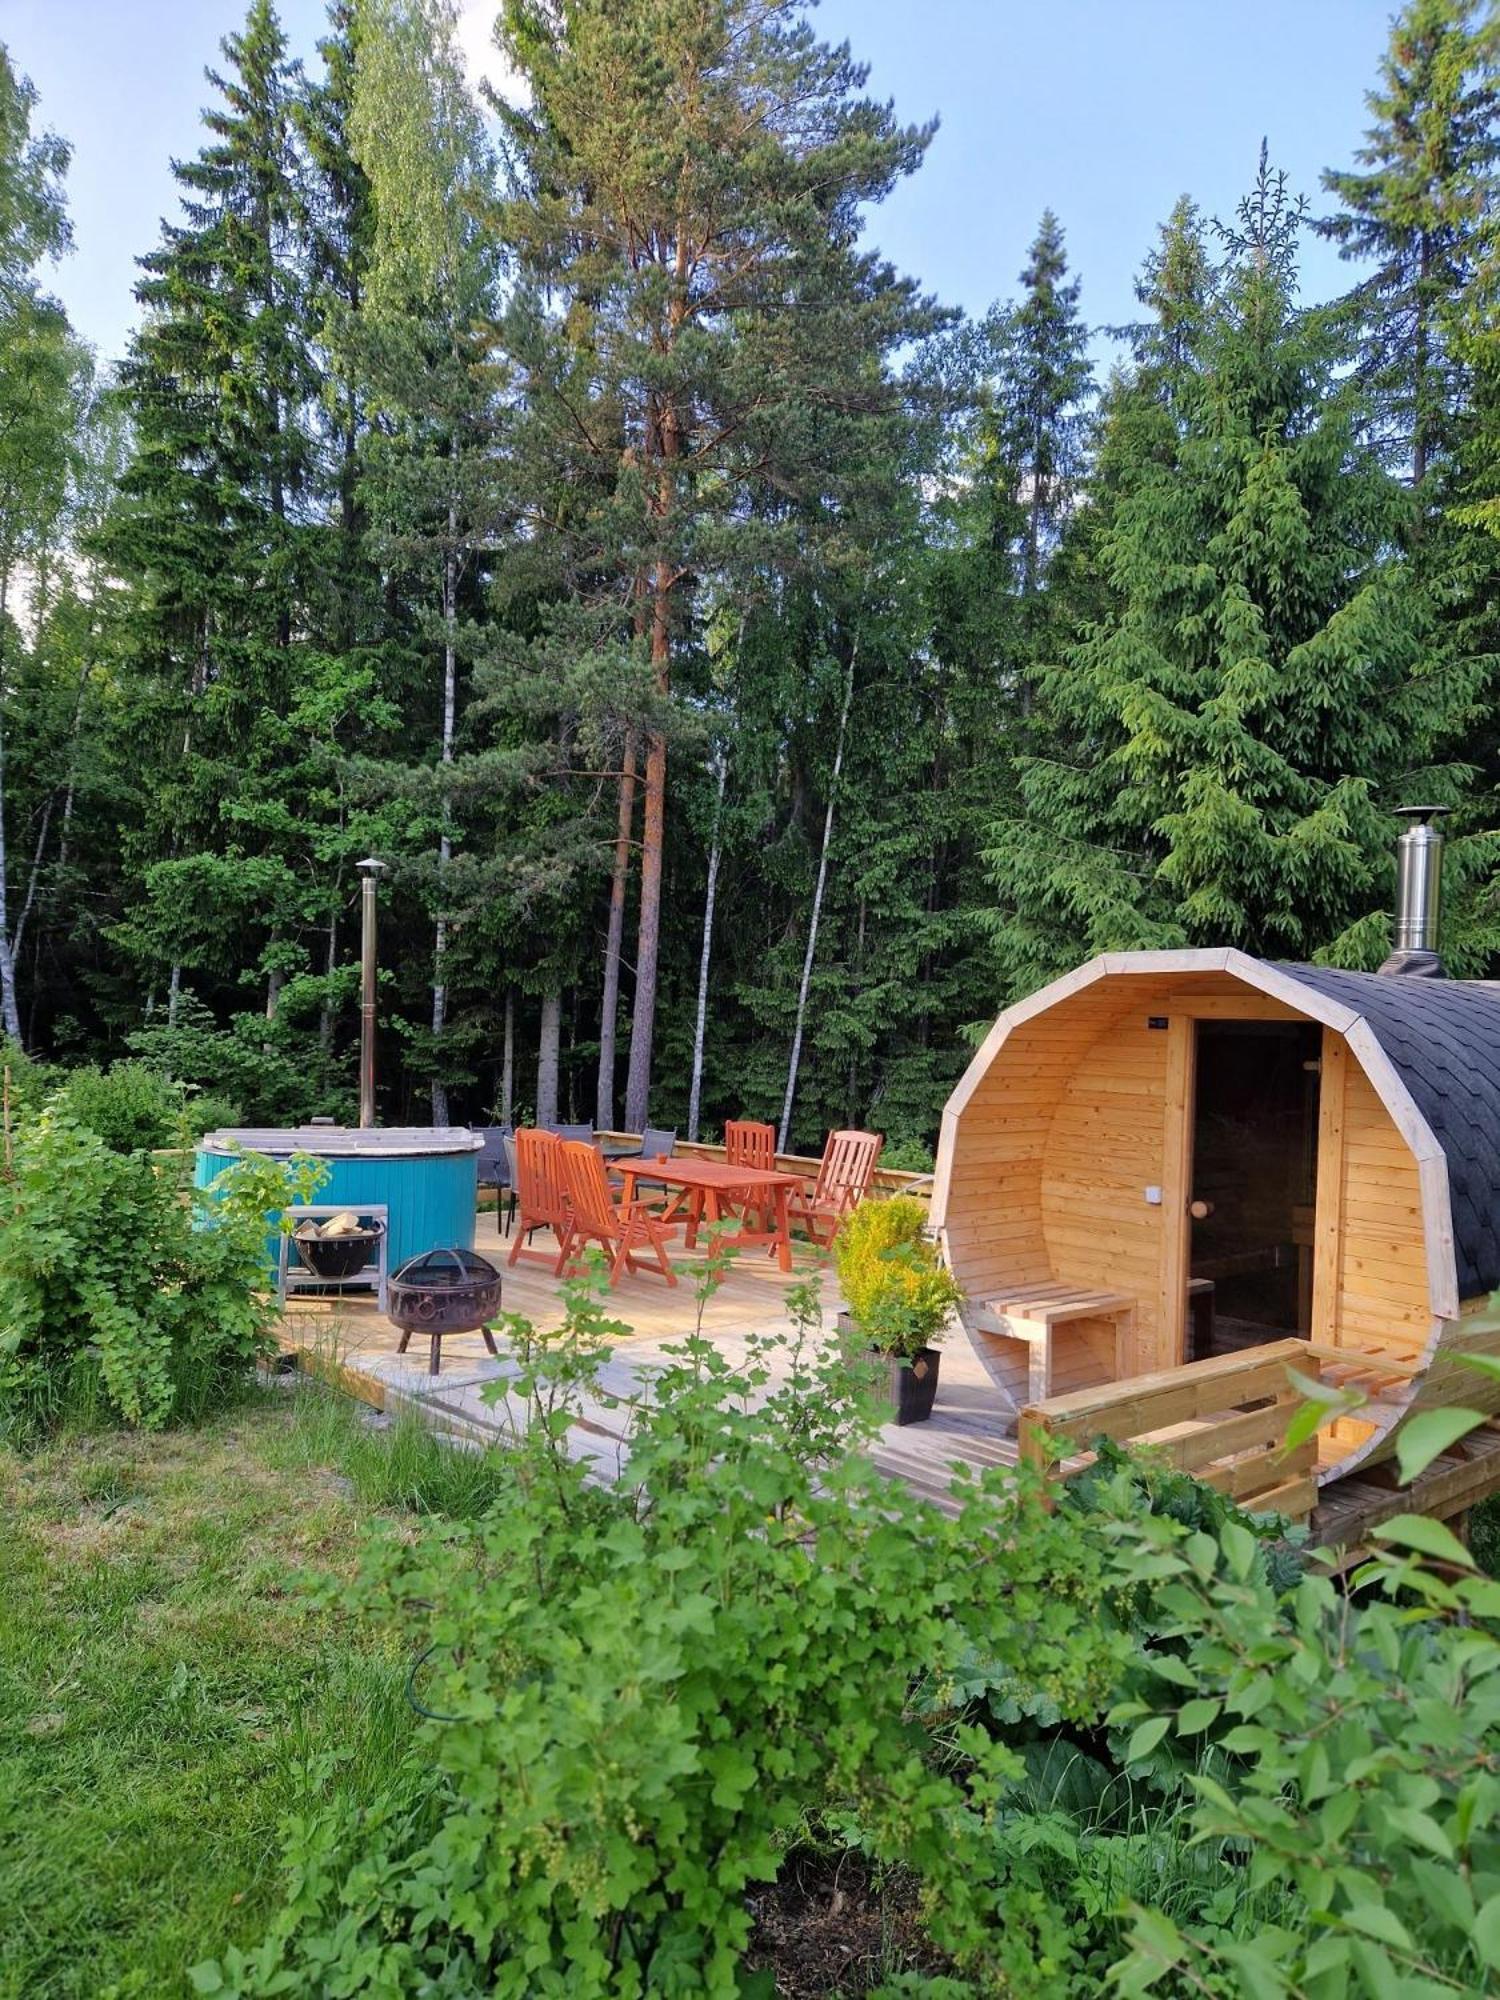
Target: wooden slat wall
x=1381, y=1292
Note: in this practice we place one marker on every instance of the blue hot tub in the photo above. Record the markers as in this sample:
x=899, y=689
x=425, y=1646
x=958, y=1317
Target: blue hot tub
x=428, y=1179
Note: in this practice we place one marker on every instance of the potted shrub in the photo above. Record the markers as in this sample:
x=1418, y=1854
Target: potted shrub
x=900, y=1295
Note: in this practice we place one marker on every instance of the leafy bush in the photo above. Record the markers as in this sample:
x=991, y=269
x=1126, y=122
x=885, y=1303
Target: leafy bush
x=259, y=1064
x=637, y=1692
x=1128, y=1745
x=114, y=1273
x=1356, y=1745
x=900, y=1293
x=129, y=1106
x=210, y=1112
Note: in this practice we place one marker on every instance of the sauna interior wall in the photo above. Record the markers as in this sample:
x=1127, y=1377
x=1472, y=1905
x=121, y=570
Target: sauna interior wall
x=1056, y=1148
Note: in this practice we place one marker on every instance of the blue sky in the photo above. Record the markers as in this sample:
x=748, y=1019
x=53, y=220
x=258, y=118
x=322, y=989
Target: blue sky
x=1104, y=109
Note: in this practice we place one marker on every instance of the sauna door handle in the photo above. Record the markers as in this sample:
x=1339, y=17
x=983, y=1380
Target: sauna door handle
x=1200, y=1211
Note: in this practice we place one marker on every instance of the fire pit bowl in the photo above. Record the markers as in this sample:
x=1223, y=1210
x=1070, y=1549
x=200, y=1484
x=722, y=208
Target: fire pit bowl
x=444, y=1291
x=337, y=1258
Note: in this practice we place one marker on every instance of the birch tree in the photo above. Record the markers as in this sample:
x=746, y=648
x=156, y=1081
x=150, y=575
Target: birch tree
x=42, y=378
x=420, y=337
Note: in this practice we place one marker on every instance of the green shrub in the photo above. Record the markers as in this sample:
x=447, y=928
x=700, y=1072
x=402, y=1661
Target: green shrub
x=211, y=1112
x=113, y=1273
x=639, y=1691
x=1352, y=1759
x=899, y=1291
x=129, y=1106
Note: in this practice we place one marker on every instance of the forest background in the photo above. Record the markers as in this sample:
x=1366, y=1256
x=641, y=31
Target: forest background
x=753, y=672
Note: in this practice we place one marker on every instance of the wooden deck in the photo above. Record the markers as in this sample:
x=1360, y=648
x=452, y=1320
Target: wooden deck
x=972, y=1424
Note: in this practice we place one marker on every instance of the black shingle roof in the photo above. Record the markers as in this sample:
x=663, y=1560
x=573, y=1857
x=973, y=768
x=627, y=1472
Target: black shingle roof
x=1443, y=1036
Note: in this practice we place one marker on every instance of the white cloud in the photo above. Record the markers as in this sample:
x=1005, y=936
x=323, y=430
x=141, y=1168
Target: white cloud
x=476, y=23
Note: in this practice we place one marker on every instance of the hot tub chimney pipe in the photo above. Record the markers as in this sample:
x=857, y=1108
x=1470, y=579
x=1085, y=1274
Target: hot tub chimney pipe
x=1419, y=888
x=371, y=870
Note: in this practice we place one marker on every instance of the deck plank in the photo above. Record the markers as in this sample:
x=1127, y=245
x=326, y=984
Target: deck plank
x=972, y=1424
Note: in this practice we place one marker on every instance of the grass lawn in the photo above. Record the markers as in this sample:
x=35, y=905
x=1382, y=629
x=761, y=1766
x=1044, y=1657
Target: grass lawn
x=165, y=1697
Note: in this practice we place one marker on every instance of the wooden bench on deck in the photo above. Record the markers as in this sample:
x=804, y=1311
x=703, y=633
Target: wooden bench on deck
x=1196, y=1416
x=1033, y=1318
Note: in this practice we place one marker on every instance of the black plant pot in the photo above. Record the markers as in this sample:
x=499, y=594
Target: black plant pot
x=914, y=1385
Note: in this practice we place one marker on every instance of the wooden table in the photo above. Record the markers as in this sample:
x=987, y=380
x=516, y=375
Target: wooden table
x=699, y=1190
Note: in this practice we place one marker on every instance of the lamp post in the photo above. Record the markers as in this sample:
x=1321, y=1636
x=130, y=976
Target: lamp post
x=371, y=871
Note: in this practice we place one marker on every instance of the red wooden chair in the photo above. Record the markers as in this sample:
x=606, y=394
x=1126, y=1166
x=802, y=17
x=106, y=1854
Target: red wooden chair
x=621, y=1228
x=747, y=1144
x=541, y=1198
x=849, y=1160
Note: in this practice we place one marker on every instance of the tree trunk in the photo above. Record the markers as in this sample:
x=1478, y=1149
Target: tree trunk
x=10, y=1011
x=1420, y=368
x=546, y=1059
x=508, y=1063
x=273, y=1001
x=700, y=1020
x=851, y=1081
x=330, y=966
x=609, y=1006
x=445, y=843
x=643, y=1015
x=33, y=887
x=653, y=830
x=572, y=1067
x=817, y=911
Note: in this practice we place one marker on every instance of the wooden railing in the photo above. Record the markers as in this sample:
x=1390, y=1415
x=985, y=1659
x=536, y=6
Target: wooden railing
x=1195, y=1416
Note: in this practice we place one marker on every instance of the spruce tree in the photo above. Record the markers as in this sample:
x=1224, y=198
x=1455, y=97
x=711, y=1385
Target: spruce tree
x=1415, y=209
x=1228, y=732
x=1042, y=381
x=212, y=532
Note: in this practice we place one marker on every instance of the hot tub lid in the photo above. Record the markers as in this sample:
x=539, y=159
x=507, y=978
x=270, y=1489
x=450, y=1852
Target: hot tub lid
x=345, y=1142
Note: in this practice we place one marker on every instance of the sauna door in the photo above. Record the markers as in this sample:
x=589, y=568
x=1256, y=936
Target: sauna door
x=1254, y=1182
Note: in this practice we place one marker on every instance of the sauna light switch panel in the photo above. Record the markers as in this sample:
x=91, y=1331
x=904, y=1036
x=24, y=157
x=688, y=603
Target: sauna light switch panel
x=1153, y=1196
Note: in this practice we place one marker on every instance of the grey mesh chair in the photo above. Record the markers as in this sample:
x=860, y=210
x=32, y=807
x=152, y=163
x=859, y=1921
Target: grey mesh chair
x=508, y=1192
x=493, y=1171
x=583, y=1132
x=656, y=1144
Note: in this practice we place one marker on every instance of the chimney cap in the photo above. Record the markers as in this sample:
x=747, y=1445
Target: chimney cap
x=1420, y=812
x=370, y=866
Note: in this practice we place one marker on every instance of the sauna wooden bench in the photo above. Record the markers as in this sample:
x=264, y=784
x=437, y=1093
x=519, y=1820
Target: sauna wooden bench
x=1032, y=1317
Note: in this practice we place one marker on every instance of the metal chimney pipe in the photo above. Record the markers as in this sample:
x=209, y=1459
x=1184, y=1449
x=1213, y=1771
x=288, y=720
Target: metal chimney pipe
x=1419, y=890
x=371, y=871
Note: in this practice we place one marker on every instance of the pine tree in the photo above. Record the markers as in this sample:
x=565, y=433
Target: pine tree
x=693, y=318
x=1228, y=732
x=1415, y=210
